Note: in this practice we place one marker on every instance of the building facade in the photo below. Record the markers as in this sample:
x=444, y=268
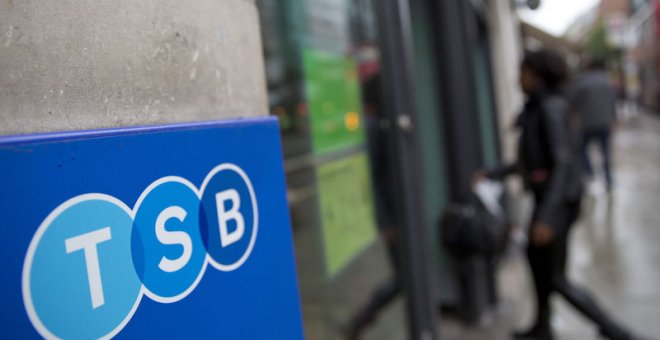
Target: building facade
x=386, y=109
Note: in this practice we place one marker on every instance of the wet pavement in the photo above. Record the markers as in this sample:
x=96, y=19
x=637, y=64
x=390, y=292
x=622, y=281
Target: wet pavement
x=614, y=252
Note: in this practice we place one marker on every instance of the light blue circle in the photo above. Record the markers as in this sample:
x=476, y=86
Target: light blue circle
x=182, y=231
x=59, y=282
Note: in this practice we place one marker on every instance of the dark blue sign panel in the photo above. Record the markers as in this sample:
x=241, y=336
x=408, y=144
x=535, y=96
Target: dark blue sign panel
x=160, y=232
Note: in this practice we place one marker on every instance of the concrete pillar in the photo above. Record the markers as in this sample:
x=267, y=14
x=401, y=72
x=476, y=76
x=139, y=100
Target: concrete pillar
x=506, y=51
x=71, y=65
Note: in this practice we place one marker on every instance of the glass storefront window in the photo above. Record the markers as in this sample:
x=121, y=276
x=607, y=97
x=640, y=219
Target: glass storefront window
x=322, y=65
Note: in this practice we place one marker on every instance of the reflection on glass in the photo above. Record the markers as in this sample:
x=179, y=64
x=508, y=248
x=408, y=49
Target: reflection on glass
x=319, y=56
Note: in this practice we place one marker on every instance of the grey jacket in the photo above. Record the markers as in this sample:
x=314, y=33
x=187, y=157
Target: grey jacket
x=547, y=157
x=593, y=97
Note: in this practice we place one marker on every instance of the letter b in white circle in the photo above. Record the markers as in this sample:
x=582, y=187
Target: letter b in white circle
x=229, y=237
x=229, y=216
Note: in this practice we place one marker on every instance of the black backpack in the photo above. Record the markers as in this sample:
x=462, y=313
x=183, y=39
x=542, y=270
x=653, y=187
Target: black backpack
x=469, y=229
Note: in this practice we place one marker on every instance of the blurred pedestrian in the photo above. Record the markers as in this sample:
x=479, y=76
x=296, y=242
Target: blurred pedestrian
x=380, y=157
x=594, y=97
x=546, y=155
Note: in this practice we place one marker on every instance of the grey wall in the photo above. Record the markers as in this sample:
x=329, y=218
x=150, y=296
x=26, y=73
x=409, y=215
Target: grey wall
x=68, y=65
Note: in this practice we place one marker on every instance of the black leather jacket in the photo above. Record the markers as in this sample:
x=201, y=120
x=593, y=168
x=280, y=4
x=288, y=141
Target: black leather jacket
x=547, y=156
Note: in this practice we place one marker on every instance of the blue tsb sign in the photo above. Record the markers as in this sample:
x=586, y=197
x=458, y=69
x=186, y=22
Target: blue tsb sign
x=178, y=231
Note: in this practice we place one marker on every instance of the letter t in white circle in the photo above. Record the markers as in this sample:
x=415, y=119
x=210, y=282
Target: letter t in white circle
x=227, y=238
x=87, y=242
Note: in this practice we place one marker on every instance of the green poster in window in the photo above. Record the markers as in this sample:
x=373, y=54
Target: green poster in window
x=347, y=212
x=333, y=94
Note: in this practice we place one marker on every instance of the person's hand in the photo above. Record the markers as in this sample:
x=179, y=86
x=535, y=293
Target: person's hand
x=478, y=176
x=542, y=234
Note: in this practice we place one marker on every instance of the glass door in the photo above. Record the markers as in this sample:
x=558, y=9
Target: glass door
x=322, y=64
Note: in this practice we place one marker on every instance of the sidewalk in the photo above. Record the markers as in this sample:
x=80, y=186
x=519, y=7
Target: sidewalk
x=615, y=251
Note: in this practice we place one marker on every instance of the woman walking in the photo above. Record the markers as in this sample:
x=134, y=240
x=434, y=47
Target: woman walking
x=548, y=163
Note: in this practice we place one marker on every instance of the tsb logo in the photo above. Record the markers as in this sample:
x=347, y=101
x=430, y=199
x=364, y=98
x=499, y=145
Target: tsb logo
x=93, y=258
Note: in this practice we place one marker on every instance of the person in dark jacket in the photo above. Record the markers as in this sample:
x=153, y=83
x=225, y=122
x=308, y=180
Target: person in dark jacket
x=380, y=157
x=547, y=161
x=594, y=97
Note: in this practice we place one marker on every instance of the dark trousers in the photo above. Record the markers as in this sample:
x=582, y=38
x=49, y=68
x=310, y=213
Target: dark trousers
x=548, y=266
x=602, y=137
x=384, y=294
x=390, y=289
